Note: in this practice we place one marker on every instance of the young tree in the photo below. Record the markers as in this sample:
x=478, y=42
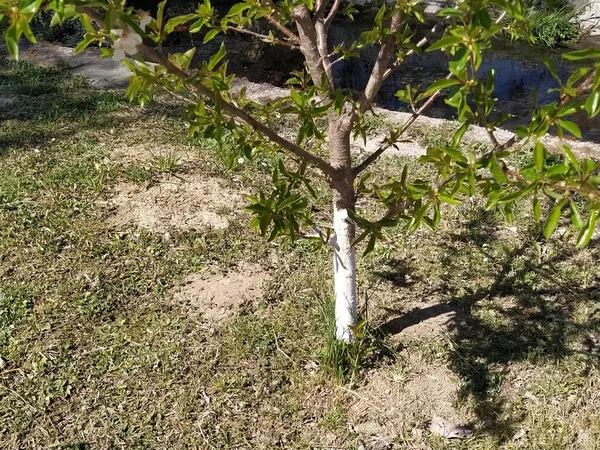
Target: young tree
x=329, y=117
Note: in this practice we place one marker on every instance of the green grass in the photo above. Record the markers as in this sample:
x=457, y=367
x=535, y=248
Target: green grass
x=551, y=27
x=95, y=354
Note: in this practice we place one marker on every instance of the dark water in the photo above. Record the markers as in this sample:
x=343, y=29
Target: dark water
x=519, y=72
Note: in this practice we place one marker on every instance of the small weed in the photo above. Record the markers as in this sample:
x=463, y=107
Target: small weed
x=137, y=173
x=168, y=163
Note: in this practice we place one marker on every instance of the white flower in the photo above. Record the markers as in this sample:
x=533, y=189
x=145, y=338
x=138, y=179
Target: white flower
x=240, y=160
x=126, y=43
x=145, y=19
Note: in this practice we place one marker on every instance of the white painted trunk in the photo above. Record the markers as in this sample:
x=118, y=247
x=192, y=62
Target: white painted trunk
x=344, y=271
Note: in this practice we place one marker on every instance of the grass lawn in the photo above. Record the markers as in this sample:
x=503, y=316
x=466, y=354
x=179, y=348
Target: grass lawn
x=102, y=346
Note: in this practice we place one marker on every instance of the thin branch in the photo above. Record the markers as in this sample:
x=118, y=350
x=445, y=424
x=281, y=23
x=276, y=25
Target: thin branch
x=332, y=12
x=557, y=187
x=153, y=55
x=264, y=37
x=285, y=30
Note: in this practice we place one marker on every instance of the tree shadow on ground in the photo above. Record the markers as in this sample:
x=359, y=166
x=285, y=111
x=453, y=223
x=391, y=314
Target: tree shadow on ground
x=533, y=322
x=38, y=104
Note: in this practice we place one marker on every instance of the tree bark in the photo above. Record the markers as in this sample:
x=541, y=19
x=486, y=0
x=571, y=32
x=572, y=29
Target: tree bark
x=344, y=200
x=344, y=268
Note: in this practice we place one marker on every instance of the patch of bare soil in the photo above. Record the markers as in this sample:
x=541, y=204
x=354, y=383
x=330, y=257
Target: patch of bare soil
x=392, y=403
x=217, y=296
x=182, y=203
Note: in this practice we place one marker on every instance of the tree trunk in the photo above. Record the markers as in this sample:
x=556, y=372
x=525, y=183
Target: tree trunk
x=344, y=268
x=344, y=199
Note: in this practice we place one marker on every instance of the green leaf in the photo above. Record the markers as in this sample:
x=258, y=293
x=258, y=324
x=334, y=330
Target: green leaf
x=493, y=199
x=295, y=95
x=454, y=12
x=484, y=18
x=539, y=156
x=436, y=214
x=458, y=62
x=30, y=6
x=445, y=42
x=210, y=35
x=550, y=66
x=455, y=154
x=571, y=157
x=449, y=200
x=586, y=233
x=571, y=127
x=379, y=16
x=187, y=57
x=13, y=46
x=458, y=135
x=160, y=14
x=558, y=169
x=537, y=209
x=553, y=218
x=290, y=201
x=592, y=104
x=576, y=218
x=582, y=54
x=238, y=8
x=179, y=20
x=217, y=57
x=87, y=40
x=515, y=195
x=56, y=20
x=370, y=244
x=438, y=85
x=497, y=171
x=264, y=223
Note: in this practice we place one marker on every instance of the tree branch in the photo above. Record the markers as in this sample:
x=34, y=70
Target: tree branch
x=322, y=45
x=382, y=62
x=156, y=57
x=557, y=187
x=321, y=6
x=263, y=37
x=332, y=12
x=285, y=30
x=309, y=44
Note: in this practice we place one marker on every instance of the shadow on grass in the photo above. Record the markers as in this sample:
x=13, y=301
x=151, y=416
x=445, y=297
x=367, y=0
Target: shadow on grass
x=533, y=323
x=38, y=104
